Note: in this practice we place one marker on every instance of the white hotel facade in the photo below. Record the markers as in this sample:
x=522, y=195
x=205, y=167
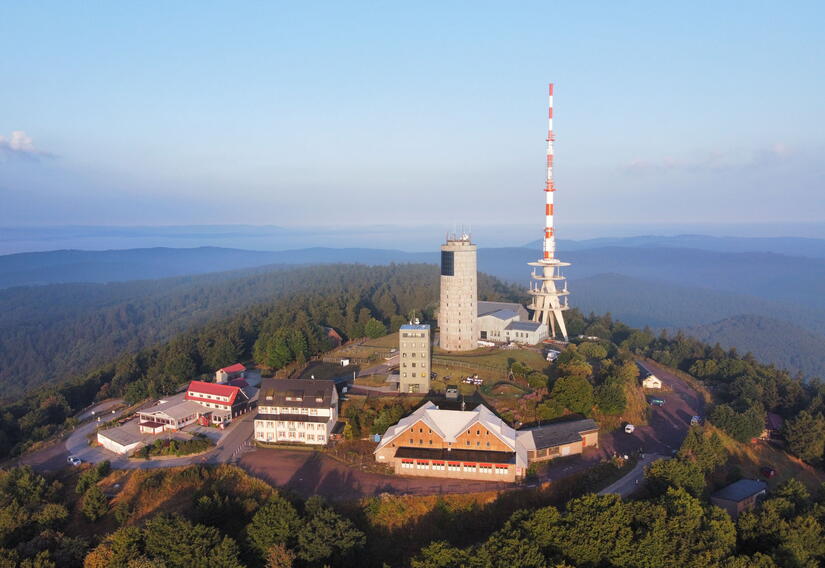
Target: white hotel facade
x=296, y=410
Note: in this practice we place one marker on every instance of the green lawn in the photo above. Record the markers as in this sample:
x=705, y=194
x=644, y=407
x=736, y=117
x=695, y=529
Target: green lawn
x=387, y=342
x=498, y=357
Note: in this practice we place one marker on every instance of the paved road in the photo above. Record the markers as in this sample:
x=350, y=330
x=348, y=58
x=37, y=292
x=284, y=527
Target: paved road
x=668, y=424
x=633, y=479
x=229, y=447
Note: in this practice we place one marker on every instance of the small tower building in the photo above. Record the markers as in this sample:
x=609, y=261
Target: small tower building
x=415, y=358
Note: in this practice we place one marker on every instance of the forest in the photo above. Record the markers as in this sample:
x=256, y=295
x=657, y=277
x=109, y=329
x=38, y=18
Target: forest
x=219, y=521
x=220, y=516
x=283, y=328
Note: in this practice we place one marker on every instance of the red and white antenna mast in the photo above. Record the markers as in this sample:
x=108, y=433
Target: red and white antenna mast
x=549, y=188
x=547, y=303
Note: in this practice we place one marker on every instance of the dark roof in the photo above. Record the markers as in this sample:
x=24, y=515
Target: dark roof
x=741, y=490
x=502, y=314
x=524, y=325
x=292, y=417
x=561, y=433
x=773, y=421
x=312, y=393
x=477, y=456
x=485, y=307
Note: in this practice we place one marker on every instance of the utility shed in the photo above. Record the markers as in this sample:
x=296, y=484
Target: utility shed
x=561, y=439
x=740, y=496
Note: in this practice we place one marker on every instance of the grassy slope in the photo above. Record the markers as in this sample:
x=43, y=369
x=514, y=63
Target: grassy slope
x=751, y=457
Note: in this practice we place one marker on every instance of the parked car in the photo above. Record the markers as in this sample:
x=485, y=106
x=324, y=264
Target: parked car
x=768, y=472
x=74, y=460
x=629, y=429
x=657, y=402
x=694, y=420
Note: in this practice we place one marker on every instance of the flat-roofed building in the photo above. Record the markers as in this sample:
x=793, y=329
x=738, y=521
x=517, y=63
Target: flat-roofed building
x=739, y=496
x=296, y=410
x=462, y=444
x=559, y=439
x=121, y=440
x=415, y=358
x=169, y=414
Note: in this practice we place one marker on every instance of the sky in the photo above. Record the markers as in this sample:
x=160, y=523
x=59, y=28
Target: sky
x=345, y=114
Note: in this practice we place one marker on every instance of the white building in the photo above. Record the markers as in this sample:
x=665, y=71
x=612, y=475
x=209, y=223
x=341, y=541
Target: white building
x=236, y=371
x=414, y=365
x=652, y=382
x=503, y=322
x=121, y=440
x=296, y=410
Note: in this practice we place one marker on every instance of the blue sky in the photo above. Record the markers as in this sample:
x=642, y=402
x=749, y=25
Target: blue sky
x=410, y=113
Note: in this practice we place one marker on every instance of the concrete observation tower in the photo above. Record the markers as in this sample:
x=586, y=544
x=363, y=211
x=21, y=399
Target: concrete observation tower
x=548, y=286
x=458, y=309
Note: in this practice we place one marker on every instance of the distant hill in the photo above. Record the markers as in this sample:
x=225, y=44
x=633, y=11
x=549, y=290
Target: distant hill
x=791, y=246
x=53, y=332
x=645, y=284
x=26, y=269
x=771, y=341
x=661, y=304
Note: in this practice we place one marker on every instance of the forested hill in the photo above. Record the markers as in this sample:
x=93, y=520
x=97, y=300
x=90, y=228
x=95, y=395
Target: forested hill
x=55, y=332
x=59, y=266
x=283, y=328
x=771, y=341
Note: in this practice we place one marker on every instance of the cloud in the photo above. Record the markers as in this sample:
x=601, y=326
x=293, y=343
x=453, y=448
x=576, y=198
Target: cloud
x=20, y=146
x=714, y=161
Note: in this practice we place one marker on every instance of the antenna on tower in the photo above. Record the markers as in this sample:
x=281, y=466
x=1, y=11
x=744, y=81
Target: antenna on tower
x=547, y=306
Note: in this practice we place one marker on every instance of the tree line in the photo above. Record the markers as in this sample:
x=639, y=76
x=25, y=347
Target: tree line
x=349, y=298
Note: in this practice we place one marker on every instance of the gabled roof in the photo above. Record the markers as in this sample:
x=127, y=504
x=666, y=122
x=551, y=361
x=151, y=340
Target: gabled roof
x=200, y=387
x=485, y=307
x=449, y=424
x=236, y=368
x=506, y=314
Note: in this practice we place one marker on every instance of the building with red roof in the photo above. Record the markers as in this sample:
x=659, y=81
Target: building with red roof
x=236, y=371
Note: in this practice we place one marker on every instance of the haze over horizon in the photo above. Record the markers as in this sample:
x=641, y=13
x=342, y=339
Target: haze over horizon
x=331, y=115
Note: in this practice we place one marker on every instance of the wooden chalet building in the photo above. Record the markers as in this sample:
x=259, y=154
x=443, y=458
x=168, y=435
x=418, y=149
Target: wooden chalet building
x=474, y=444
x=477, y=444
